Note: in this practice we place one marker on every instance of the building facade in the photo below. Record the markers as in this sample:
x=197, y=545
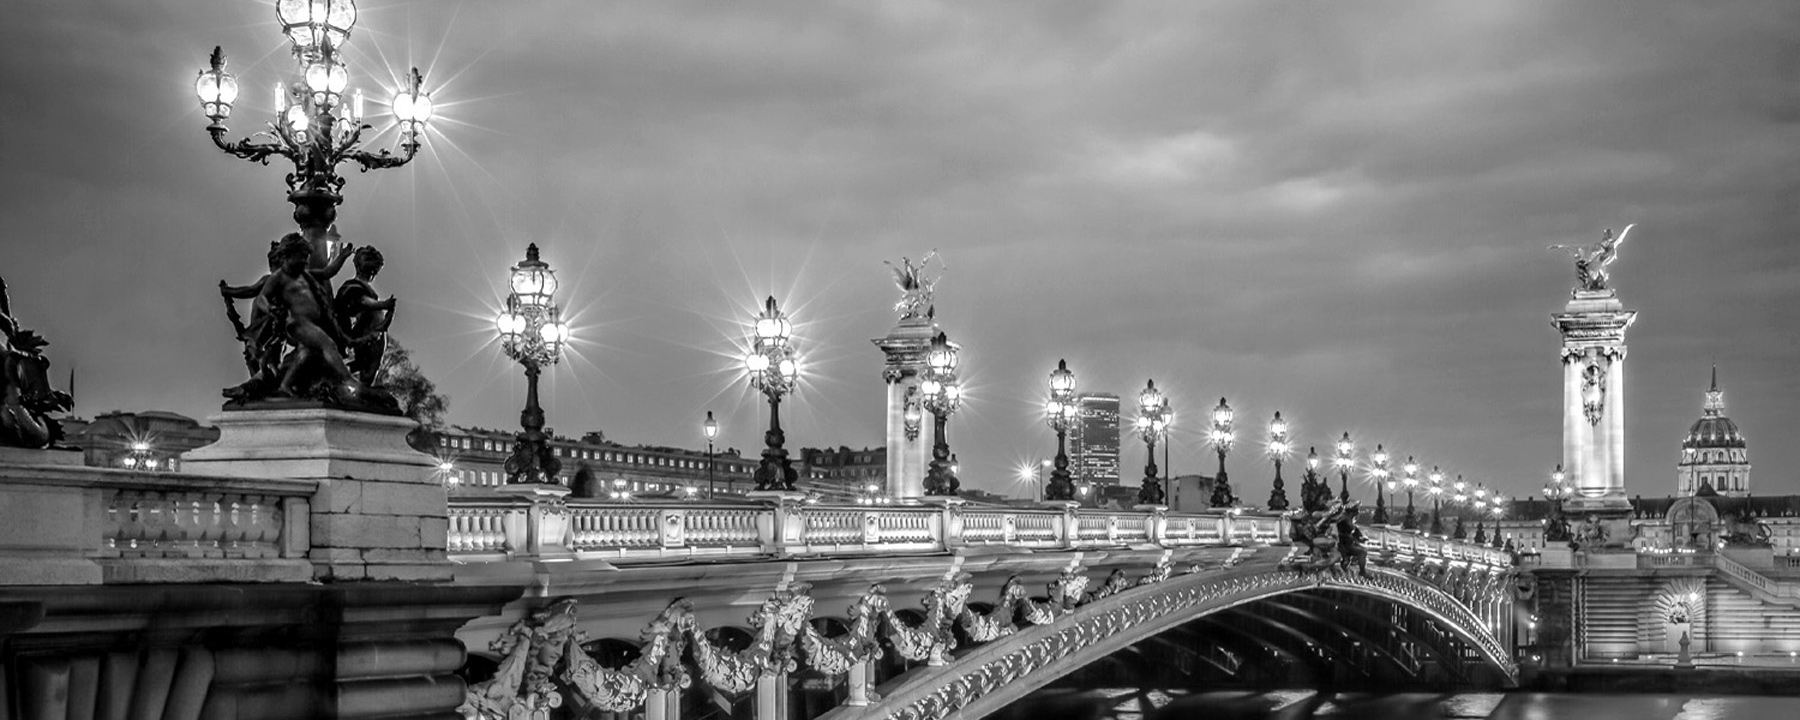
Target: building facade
x=475, y=458
x=843, y=469
x=152, y=441
x=1094, y=442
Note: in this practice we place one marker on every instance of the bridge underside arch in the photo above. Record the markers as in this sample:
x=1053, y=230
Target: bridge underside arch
x=1389, y=624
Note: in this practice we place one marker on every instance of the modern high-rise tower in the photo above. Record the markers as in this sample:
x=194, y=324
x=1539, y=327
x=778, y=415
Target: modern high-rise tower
x=1095, y=440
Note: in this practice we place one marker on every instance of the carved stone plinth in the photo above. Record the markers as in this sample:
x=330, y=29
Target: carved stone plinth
x=379, y=513
x=548, y=532
x=1599, y=523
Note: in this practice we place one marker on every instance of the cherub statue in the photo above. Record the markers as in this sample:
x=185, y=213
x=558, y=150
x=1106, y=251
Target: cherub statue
x=365, y=316
x=1591, y=260
x=915, y=289
x=296, y=311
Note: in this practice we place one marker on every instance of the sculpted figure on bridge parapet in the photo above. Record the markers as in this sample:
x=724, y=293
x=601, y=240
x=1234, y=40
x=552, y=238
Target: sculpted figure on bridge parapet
x=26, y=398
x=365, y=316
x=294, y=346
x=1330, y=537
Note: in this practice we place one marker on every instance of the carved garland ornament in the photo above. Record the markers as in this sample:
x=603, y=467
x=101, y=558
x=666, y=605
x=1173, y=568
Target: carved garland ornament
x=543, y=666
x=958, y=692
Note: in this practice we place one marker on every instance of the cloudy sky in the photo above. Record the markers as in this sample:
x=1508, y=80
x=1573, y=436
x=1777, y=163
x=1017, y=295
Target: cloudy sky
x=1335, y=210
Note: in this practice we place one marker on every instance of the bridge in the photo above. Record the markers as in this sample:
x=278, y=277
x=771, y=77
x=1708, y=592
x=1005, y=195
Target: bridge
x=927, y=611
x=130, y=594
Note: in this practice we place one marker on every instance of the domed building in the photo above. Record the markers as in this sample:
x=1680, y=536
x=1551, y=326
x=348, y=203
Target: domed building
x=1713, y=455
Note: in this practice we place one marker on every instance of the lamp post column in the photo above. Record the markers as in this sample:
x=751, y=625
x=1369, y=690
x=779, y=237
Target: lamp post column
x=1150, y=424
x=1221, y=437
x=1278, y=450
x=775, y=370
x=1058, y=413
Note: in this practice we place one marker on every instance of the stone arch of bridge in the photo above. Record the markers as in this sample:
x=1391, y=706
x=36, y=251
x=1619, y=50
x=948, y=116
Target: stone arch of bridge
x=987, y=678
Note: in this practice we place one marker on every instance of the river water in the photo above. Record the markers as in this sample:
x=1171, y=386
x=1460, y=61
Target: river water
x=1136, y=704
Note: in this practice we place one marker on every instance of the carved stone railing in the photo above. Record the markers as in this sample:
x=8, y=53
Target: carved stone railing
x=81, y=525
x=498, y=528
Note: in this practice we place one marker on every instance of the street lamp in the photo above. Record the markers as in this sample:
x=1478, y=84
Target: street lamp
x=943, y=395
x=1346, y=458
x=1278, y=450
x=710, y=428
x=1150, y=426
x=313, y=126
x=1411, y=480
x=1556, y=527
x=1311, y=487
x=621, y=490
x=1059, y=412
x=532, y=333
x=1436, y=491
x=1498, y=511
x=142, y=458
x=1221, y=439
x=1383, y=479
x=775, y=370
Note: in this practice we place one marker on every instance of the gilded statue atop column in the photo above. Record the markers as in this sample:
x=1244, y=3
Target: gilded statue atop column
x=1591, y=260
x=915, y=286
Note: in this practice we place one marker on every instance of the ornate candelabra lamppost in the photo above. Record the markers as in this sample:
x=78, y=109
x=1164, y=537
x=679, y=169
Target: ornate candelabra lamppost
x=1499, y=513
x=1059, y=413
x=1278, y=450
x=140, y=458
x=1312, y=489
x=1458, y=499
x=1436, y=491
x=775, y=370
x=1480, y=501
x=1151, y=425
x=943, y=395
x=1346, y=459
x=710, y=429
x=1378, y=467
x=314, y=127
x=1410, y=479
x=1221, y=438
x=532, y=333
x=1556, y=529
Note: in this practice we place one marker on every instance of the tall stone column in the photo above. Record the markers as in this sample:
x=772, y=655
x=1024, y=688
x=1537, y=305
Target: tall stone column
x=908, y=452
x=1593, y=354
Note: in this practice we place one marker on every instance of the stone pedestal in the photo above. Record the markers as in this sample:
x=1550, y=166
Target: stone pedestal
x=547, y=526
x=379, y=513
x=908, y=456
x=785, y=528
x=1610, y=514
x=1593, y=354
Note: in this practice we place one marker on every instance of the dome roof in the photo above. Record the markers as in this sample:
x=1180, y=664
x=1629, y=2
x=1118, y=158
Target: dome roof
x=1713, y=429
x=1713, y=432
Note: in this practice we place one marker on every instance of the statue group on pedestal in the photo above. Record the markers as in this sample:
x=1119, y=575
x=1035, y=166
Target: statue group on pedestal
x=1591, y=260
x=915, y=288
x=304, y=343
x=26, y=398
x=1331, y=537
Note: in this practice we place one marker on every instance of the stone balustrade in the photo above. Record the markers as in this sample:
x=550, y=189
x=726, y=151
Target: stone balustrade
x=497, y=529
x=69, y=524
